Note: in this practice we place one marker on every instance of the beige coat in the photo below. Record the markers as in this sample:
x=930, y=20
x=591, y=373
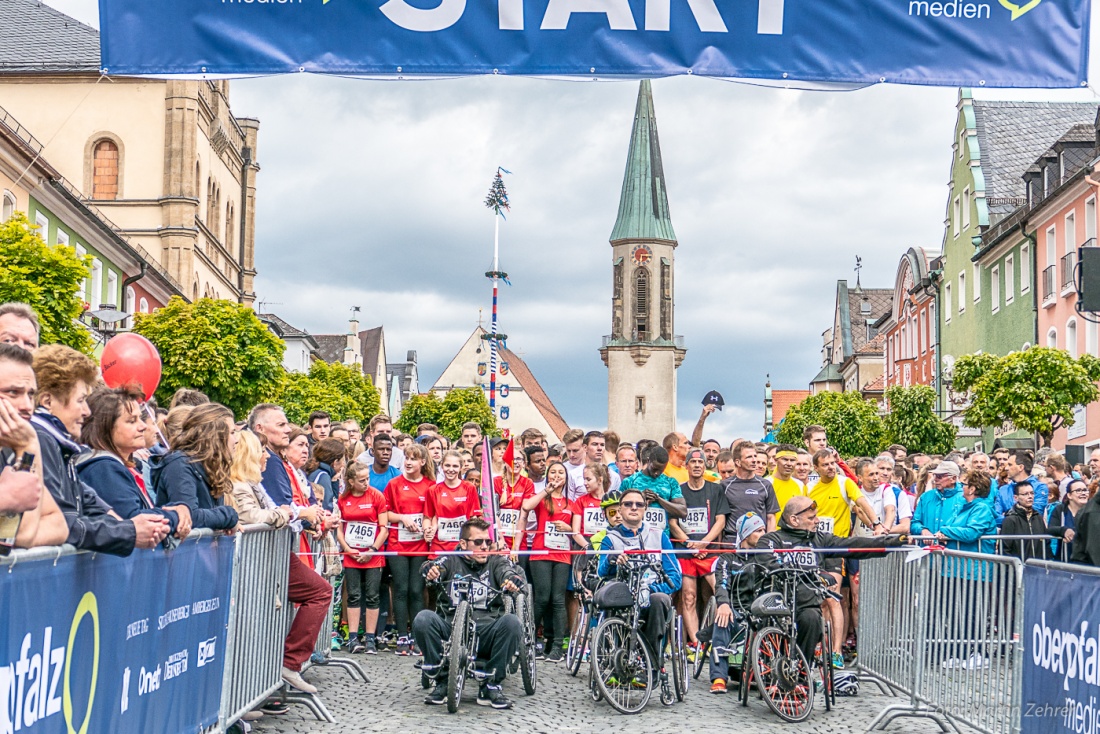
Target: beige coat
x=254, y=506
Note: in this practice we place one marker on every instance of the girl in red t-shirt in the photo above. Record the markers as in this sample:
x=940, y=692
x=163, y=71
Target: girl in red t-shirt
x=361, y=533
x=449, y=504
x=405, y=498
x=550, y=569
x=511, y=490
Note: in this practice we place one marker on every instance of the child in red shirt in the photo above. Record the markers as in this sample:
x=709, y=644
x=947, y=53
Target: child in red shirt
x=361, y=533
x=449, y=504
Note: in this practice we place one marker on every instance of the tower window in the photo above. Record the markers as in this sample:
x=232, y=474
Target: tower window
x=105, y=170
x=666, y=299
x=639, y=405
x=641, y=305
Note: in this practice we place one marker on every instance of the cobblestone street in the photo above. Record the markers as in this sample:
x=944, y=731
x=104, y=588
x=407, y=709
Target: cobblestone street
x=393, y=702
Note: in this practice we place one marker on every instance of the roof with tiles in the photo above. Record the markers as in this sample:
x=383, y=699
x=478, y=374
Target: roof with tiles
x=784, y=400
x=879, y=300
x=36, y=39
x=1012, y=135
x=874, y=346
x=331, y=347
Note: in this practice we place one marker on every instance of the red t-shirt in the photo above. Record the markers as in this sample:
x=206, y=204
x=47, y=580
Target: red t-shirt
x=360, y=525
x=406, y=497
x=592, y=518
x=451, y=507
x=511, y=504
x=547, y=538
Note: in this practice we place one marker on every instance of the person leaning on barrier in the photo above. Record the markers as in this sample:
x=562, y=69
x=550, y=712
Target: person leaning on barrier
x=65, y=379
x=935, y=508
x=21, y=488
x=1024, y=519
x=798, y=529
x=972, y=519
x=499, y=634
x=248, y=497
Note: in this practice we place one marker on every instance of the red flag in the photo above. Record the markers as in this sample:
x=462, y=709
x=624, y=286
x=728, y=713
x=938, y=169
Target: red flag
x=510, y=455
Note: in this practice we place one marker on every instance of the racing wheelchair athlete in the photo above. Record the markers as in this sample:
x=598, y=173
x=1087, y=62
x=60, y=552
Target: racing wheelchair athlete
x=470, y=610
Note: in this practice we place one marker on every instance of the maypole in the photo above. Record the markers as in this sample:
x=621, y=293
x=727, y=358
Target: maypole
x=497, y=200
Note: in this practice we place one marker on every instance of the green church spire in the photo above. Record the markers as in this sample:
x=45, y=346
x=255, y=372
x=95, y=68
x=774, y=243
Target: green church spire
x=643, y=206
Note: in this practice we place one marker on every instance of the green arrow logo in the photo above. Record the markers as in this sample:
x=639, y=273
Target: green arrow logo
x=1017, y=10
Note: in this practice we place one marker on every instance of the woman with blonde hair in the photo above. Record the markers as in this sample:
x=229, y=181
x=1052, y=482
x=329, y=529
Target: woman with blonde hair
x=196, y=472
x=247, y=496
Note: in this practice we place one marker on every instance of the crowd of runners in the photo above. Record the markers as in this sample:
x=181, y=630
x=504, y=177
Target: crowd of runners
x=387, y=518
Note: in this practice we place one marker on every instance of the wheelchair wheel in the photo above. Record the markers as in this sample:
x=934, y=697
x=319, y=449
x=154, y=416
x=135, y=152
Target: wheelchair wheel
x=510, y=608
x=705, y=649
x=825, y=665
x=578, y=639
x=680, y=679
x=622, y=666
x=746, y=669
x=593, y=689
x=462, y=638
x=782, y=675
x=527, y=649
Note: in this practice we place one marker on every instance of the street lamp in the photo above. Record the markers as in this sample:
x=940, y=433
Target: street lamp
x=107, y=317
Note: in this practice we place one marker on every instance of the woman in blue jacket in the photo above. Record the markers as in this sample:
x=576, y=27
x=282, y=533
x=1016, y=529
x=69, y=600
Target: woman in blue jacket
x=115, y=430
x=973, y=519
x=196, y=472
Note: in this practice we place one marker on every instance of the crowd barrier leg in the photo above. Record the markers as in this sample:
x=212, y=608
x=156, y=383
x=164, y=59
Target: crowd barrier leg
x=322, y=652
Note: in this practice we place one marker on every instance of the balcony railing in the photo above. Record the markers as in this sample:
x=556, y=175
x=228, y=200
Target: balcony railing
x=1048, y=283
x=1069, y=263
x=609, y=340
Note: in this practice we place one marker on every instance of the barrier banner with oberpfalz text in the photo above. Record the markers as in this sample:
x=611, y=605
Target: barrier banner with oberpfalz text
x=1061, y=675
x=991, y=43
x=98, y=643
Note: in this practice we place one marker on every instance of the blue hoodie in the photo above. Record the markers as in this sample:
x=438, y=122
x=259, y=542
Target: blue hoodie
x=936, y=508
x=1006, y=498
x=972, y=520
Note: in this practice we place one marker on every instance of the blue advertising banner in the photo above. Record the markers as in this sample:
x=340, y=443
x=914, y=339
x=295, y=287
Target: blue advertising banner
x=992, y=43
x=106, y=644
x=1061, y=676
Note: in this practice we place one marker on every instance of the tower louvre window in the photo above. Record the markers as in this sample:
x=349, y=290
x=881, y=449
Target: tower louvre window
x=666, y=299
x=641, y=305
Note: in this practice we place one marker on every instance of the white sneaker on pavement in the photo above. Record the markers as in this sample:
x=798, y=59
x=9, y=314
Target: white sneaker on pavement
x=976, y=662
x=294, y=679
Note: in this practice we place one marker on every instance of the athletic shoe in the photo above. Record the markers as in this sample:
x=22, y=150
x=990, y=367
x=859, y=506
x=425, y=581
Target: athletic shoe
x=718, y=686
x=274, y=707
x=414, y=649
x=294, y=679
x=838, y=661
x=491, y=695
x=975, y=662
x=438, y=696
x=691, y=653
x=402, y=647
x=352, y=641
x=555, y=655
x=951, y=663
x=540, y=650
x=337, y=643
x=316, y=658
x=371, y=648
x=357, y=647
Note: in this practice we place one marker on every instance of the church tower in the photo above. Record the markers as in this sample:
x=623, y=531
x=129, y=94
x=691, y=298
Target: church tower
x=642, y=352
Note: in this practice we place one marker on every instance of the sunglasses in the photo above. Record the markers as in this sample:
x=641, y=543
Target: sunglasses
x=479, y=542
x=633, y=505
x=811, y=508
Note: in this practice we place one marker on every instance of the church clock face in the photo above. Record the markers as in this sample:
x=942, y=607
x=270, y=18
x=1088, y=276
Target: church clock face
x=642, y=254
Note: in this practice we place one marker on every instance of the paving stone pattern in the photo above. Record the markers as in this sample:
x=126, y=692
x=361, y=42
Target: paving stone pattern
x=393, y=702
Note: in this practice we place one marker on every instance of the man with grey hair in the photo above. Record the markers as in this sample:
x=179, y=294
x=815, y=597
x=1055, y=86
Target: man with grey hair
x=19, y=326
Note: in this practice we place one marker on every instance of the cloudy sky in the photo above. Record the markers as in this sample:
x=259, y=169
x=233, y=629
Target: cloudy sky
x=371, y=195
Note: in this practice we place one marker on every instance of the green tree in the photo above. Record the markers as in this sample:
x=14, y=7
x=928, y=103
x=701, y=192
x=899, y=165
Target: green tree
x=1036, y=389
x=912, y=421
x=216, y=346
x=341, y=391
x=852, y=423
x=423, y=408
x=48, y=279
x=464, y=405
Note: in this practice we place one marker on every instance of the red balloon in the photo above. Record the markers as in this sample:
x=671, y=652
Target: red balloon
x=131, y=359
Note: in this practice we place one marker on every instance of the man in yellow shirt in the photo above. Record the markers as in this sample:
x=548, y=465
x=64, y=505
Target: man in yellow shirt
x=837, y=497
x=783, y=481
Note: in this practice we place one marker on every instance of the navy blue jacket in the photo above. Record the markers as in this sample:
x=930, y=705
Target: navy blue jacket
x=116, y=485
x=276, y=481
x=180, y=481
x=323, y=476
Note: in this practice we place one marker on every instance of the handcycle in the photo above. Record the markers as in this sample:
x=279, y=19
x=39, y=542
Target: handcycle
x=738, y=637
x=519, y=604
x=581, y=631
x=621, y=664
x=460, y=659
x=778, y=667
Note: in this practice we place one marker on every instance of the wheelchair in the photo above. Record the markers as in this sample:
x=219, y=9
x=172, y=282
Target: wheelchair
x=622, y=667
x=773, y=660
x=460, y=659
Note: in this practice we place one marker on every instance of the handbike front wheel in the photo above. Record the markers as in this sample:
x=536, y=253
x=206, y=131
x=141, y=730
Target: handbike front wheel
x=680, y=678
x=825, y=665
x=622, y=665
x=461, y=639
x=782, y=675
x=705, y=649
x=527, y=651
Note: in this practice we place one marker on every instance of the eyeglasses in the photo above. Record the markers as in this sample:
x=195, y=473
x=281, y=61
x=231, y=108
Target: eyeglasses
x=479, y=542
x=633, y=505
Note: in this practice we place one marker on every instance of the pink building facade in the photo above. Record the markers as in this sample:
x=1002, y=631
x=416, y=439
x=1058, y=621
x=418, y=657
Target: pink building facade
x=910, y=349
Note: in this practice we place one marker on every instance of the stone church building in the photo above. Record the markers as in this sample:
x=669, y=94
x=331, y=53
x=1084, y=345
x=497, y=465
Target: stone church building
x=643, y=351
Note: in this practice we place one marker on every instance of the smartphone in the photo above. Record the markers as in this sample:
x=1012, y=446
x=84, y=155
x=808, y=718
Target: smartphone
x=9, y=528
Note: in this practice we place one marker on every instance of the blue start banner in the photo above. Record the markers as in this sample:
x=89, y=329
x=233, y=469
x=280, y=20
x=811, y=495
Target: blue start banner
x=992, y=43
x=1061, y=676
x=107, y=644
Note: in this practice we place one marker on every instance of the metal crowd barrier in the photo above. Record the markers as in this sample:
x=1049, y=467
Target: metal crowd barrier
x=1028, y=542
x=322, y=651
x=258, y=610
x=944, y=629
